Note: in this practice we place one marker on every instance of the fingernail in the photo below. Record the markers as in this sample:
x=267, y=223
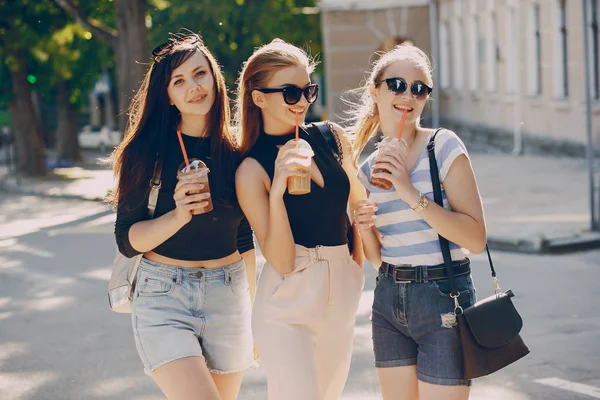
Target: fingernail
x=375, y=208
x=373, y=216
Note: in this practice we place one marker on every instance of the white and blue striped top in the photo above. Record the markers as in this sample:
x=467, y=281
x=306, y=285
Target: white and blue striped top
x=407, y=238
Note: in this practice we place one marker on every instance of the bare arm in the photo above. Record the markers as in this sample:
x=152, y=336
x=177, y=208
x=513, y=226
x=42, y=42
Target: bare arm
x=465, y=224
x=357, y=191
x=147, y=235
x=364, y=216
x=262, y=203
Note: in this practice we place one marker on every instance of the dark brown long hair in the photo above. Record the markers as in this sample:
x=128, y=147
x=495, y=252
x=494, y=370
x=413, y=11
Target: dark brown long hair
x=256, y=72
x=152, y=119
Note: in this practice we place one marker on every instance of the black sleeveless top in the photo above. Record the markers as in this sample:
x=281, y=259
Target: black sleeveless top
x=319, y=217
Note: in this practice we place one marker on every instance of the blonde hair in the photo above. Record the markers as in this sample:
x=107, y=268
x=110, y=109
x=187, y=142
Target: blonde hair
x=364, y=116
x=256, y=72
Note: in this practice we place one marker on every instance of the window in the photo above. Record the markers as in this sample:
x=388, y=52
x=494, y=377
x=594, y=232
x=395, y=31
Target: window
x=534, y=52
x=491, y=51
x=444, y=56
x=511, y=51
x=473, y=38
x=457, y=54
x=593, y=51
x=561, y=89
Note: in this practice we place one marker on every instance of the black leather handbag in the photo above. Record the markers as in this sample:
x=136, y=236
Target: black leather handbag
x=489, y=329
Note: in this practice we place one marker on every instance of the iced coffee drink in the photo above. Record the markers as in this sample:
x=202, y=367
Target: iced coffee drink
x=196, y=171
x=301, y=184
x=388, y=146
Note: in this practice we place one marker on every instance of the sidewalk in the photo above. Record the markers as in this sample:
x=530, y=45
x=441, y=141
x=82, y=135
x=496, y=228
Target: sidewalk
x=532, y=204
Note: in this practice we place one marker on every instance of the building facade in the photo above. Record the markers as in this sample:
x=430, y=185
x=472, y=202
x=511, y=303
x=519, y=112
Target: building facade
x=508, y=72
x=354, y=30
x=514, y=70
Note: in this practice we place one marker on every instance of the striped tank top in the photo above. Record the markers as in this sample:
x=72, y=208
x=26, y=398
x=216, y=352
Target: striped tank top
x=406, y=237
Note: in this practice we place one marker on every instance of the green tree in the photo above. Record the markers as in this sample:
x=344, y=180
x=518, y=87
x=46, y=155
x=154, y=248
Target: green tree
x=233, y=28
x=124, y=30
x=74, y=62
x=21, y=26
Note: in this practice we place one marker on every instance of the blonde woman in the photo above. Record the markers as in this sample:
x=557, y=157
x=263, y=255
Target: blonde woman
x=308, y=292
x=415, y=337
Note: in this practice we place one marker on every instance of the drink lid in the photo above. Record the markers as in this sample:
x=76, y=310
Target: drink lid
x=304, y=147
x=195, y=166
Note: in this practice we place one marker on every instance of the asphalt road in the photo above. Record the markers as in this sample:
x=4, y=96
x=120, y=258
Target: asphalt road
x=58, y=340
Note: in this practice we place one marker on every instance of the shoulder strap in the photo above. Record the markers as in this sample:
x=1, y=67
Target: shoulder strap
x=155, y=185
x=437, y=195
x=330, y=139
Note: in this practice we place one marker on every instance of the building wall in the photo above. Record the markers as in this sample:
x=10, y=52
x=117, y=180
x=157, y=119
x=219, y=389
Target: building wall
x=494, y=85
x=350, y=39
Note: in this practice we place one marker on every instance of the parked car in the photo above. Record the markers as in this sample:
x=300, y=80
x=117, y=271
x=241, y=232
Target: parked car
x=104, y=139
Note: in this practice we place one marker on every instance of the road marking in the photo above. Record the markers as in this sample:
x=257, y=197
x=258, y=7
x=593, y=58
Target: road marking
x=580, y=388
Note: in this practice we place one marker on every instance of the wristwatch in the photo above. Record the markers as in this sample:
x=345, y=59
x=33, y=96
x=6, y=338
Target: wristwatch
x=422, y=203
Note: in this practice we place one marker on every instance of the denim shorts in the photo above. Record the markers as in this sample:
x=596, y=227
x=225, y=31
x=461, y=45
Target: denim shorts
x=408, y=327
x=184, y=312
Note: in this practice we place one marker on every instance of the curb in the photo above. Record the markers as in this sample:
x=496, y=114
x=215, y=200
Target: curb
x=569, y=244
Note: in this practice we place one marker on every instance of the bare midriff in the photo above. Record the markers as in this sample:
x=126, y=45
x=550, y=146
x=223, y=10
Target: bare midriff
x=208, y=264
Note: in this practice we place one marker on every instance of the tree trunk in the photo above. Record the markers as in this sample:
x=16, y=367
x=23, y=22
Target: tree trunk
x=132, y=52
x=67, y=141
x=39, y=105
x=30, y=158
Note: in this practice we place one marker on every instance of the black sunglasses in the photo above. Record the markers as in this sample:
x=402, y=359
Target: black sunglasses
x=399, y=86
x=162, y=50
x=293, y=94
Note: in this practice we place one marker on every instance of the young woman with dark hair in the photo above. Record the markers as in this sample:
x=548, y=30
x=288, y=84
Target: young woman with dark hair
x=192, y=300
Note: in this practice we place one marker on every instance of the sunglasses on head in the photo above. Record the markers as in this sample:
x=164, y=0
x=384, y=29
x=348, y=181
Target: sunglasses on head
x=399, y=86
x=293, y=94
x=162, y=50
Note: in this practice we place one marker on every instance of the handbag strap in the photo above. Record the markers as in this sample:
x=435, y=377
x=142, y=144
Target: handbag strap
x=155, y=185
x=437, y=196
x=330, y=139
x=444, y=244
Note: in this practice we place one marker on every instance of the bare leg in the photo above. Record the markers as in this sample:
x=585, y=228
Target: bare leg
x=427, y=391
x=399, y=383
x=186, y=379
x=228, y=384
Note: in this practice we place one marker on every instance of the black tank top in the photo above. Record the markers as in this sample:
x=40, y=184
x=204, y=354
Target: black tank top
x=319, y=217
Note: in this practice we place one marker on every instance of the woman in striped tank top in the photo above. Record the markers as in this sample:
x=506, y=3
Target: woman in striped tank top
x=415, y=336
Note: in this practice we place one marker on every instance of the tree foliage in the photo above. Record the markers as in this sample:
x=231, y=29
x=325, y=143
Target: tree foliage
x=232, y=29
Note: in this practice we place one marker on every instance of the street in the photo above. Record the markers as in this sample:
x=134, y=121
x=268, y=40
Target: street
x=58, y=339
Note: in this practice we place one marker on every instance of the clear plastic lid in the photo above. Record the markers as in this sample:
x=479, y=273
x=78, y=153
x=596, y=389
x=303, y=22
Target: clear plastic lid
x=196, y=167
x=304, y=148
x=393, y=145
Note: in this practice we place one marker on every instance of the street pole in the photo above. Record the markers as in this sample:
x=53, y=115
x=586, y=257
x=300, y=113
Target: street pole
x=588, y=119
x=435, y=52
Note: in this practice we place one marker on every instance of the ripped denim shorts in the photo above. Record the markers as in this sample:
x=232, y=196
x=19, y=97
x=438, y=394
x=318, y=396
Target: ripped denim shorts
x=182, y=312
x=413, y=325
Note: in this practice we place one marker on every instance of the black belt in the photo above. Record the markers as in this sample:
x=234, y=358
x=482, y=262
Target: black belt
x=423, y=273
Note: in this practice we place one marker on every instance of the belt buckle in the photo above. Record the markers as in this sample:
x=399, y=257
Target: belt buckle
x=396, y=280
x=318, y=254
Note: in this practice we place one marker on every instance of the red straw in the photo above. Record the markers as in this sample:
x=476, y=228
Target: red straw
x=185, y=157
x=402, y=123
x=297, y=135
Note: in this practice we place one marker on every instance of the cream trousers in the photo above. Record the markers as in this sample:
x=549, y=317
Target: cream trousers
x=303, y=323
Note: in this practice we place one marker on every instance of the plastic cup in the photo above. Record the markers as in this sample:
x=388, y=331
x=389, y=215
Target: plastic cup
x=197, y=171
x=301, y=184
x=388, y=146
